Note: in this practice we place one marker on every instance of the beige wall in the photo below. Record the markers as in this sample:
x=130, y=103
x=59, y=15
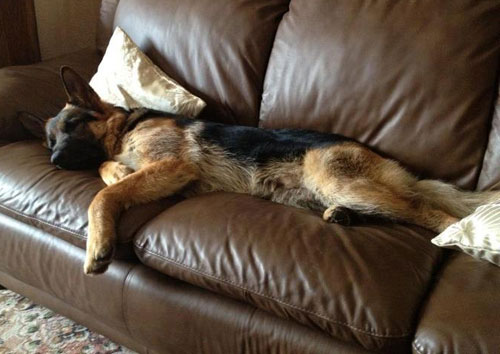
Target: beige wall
x=65, y=26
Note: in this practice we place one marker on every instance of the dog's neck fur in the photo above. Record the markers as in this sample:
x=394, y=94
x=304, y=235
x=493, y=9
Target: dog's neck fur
x=118, y=123
x=114, y=125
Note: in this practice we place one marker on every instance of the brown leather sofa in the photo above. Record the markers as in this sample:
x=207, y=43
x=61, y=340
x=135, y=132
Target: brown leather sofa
x=226, y=273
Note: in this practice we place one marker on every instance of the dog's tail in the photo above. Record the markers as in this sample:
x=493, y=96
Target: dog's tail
x=452, y=200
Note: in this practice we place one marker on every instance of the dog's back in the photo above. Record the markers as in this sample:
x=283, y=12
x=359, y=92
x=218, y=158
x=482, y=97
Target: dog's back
x=264, y=163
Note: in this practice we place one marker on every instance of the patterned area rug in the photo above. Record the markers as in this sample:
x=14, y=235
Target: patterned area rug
x=29, y=328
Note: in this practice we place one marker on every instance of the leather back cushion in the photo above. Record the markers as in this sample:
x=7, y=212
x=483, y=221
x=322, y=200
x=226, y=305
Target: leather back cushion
x=490, y=172
x=414, y=79
x=217, y=49
x=105, y=25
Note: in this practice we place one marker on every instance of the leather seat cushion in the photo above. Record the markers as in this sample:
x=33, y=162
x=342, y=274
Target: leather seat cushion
x=362, y=283
x=34, y=191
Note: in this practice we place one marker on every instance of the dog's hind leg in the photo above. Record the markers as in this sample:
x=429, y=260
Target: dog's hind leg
x=155, y=181
x=353, y=177
x=371, y=198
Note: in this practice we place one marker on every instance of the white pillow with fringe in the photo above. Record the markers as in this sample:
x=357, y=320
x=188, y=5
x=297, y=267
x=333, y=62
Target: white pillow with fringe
x=126, y=77
x=477, y=234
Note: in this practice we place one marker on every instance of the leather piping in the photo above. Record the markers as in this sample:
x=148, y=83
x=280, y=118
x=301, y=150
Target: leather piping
x=62, y=228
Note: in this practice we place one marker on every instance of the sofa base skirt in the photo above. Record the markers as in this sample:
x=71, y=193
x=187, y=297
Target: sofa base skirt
x=143, y=309
x=40, y=297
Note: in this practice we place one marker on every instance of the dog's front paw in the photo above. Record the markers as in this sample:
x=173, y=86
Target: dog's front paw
x=98, y=258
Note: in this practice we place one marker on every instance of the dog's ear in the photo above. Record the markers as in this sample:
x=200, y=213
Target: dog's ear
x=34, y=124
x=79, y=91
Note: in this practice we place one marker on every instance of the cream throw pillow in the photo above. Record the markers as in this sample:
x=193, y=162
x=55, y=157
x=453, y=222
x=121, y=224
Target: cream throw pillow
x=477, y=234
x=126, y=77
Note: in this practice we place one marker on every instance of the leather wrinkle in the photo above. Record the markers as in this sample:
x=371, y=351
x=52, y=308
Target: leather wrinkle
x=282, y=302
x=247, y=335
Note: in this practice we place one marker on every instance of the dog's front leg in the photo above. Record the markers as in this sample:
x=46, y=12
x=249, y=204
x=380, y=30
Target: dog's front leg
x=157, y=180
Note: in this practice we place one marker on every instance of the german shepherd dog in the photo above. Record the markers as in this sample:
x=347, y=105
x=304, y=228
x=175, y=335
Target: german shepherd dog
x=144, y=155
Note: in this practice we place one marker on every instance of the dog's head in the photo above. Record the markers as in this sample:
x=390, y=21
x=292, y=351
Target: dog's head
x=75, y=134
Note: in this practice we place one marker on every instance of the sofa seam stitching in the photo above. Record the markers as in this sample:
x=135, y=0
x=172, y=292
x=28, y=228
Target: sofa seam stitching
x=63, y=228
x=43, y=221
x=320, y=315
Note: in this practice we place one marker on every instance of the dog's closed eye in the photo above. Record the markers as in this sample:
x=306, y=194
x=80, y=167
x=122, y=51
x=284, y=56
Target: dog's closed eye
x=71, y=125
x=74, y=122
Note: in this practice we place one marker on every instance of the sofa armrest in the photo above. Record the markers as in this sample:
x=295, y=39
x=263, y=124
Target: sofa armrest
x=37, y=89
x=460, y=315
